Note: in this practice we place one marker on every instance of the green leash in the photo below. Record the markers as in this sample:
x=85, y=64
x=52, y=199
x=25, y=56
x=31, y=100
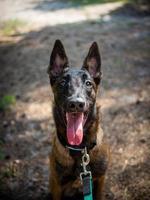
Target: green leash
x=87, y=191
x=86, y=177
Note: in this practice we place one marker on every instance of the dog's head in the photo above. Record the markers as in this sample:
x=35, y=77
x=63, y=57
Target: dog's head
x=74, y=89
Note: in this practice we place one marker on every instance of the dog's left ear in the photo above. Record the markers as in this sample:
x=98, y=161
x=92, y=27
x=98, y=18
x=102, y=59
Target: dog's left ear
x=58, y=60
x=92, y=63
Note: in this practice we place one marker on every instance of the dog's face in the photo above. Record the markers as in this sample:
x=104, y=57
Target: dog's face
x=74, y=89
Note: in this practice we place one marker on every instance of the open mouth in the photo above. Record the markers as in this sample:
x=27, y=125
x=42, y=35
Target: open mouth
x=75, y=124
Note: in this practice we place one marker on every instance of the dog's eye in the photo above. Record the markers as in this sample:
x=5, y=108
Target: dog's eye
x=88, y=84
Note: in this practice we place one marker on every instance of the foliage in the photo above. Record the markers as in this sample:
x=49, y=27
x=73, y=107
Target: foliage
x=1, y=152
x=6, y=102
x=86, y=2
x=11, y=26
x=147, y=2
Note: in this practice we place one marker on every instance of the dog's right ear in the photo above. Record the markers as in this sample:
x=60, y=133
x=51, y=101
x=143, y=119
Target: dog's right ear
x=58, y=61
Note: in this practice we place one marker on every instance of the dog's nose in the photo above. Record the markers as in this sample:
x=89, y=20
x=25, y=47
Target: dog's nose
x=76, y=106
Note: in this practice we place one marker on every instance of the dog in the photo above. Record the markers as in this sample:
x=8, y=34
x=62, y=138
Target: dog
x=78, y=125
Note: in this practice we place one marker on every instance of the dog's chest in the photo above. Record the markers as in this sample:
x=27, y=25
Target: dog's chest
x=68, y=173
x=72, y=172
x=69, y=179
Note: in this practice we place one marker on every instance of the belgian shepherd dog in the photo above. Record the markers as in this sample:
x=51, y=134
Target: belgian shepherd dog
x=78, y=125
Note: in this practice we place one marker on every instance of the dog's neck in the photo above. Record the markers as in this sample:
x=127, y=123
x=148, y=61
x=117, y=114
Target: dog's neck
x=92, y=124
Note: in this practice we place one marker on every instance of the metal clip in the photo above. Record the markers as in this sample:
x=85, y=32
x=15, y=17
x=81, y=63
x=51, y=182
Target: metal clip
x=85, y=162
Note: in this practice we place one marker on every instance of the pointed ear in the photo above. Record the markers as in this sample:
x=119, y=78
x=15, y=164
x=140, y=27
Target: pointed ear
x=92, y=63
x=58, y=60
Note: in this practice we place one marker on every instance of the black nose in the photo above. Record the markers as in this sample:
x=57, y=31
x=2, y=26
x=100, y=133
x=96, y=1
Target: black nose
x=76, y=106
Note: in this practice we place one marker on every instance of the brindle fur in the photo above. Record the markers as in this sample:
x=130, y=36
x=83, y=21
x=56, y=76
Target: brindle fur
x=65, y=167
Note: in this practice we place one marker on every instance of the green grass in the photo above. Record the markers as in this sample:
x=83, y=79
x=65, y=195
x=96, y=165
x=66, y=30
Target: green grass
x=11, y=26
x=2, y=156
x=6, y=102
x=8, y=172
x=88, y=2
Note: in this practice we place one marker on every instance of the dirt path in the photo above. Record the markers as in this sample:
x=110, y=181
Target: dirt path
x=42, y=13
x=26, y=130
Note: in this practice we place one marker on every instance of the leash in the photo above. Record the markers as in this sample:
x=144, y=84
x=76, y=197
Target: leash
x=86, y=177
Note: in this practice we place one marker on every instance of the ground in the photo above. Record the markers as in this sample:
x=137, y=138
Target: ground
x=27, y=127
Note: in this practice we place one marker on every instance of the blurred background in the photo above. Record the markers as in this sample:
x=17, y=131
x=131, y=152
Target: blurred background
x=28, y=30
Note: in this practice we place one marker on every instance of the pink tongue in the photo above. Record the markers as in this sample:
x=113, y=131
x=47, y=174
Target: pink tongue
x=74, y=128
